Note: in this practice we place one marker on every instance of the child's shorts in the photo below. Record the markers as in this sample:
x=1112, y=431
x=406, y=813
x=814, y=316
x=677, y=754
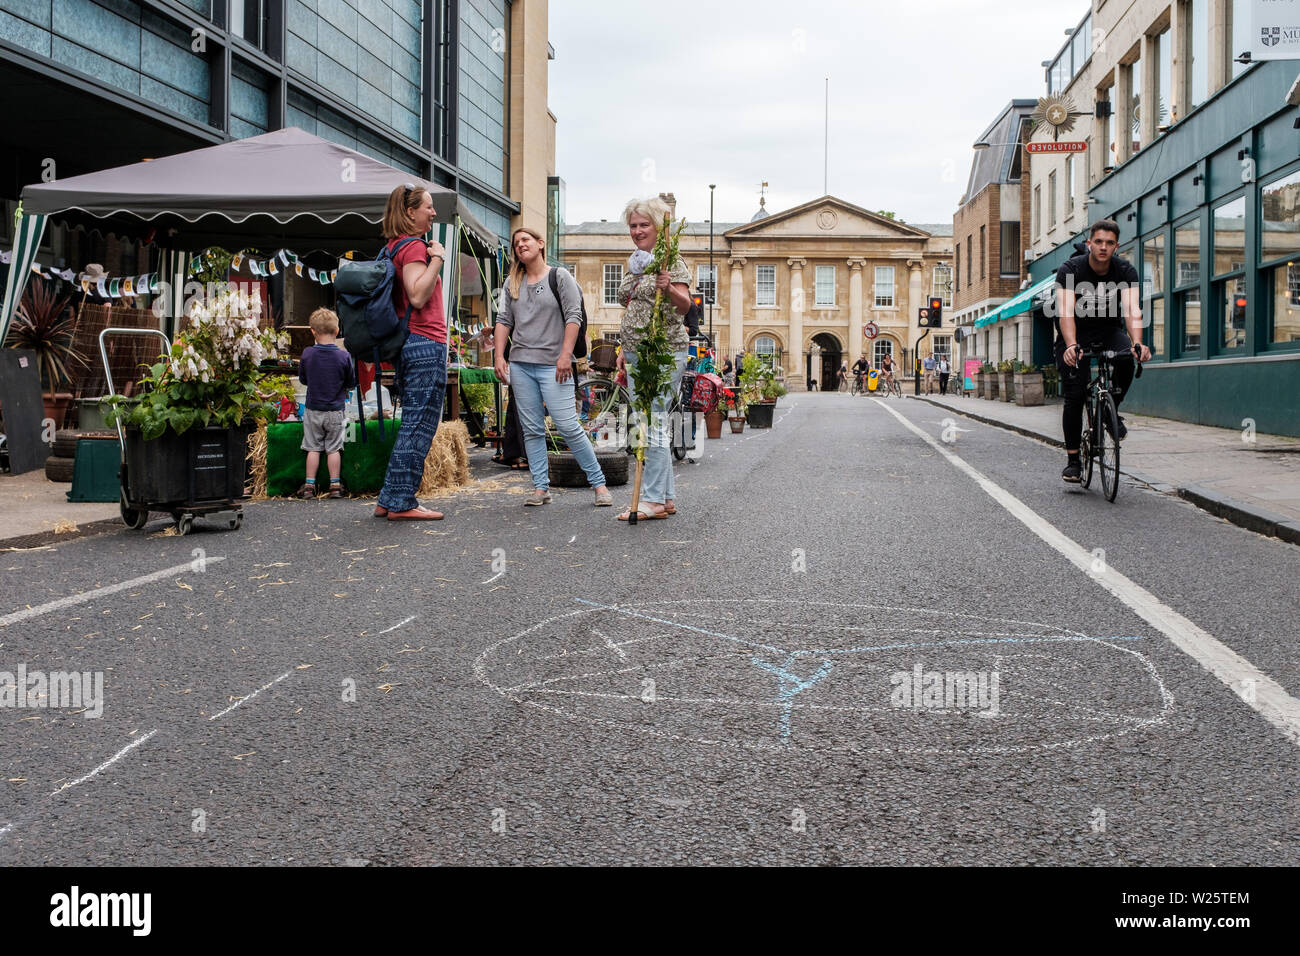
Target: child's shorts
x=322, y=431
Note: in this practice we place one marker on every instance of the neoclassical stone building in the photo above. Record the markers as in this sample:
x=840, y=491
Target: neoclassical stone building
x=798, y=285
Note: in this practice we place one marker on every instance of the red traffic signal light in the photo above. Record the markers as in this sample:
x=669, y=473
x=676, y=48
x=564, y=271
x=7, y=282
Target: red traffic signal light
x=936, y=303
x=697, y=300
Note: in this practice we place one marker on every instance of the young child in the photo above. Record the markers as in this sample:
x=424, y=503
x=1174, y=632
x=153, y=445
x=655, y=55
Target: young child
x=329, y=375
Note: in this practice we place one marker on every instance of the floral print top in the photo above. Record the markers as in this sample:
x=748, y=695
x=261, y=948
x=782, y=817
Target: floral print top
x=637, y=296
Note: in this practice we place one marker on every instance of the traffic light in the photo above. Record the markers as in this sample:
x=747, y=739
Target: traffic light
x=697, y=300
x=929, y=318
x=936, y=311
x=1238, y=312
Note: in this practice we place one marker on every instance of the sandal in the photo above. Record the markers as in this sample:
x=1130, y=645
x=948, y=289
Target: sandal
x=419, y=513
x=306, y=492
x=538, y=497
x=380, y=511
x=643, y=514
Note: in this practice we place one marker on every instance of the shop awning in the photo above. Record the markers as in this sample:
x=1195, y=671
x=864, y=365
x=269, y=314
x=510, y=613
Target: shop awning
x=1022, y=301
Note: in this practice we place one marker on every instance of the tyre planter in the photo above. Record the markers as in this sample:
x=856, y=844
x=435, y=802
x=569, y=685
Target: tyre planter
x=65, y=443
x=759, y=415
x=565, y=472
x=60, y=469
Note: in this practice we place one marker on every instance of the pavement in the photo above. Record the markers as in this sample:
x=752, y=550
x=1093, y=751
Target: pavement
x=747, y=682
x=1250, y=479
x=34, y=508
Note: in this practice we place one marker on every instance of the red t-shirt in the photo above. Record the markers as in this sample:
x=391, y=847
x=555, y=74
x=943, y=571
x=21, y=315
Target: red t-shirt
x=430, y=321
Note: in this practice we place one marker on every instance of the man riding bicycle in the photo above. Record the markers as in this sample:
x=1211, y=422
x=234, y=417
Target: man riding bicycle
x=1097, y=295
x=860, y=374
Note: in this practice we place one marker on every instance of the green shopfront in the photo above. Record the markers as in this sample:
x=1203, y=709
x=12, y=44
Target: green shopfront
x=1210, y=216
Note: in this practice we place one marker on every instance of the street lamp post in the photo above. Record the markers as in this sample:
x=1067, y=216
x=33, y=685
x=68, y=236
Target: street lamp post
x=713, y=279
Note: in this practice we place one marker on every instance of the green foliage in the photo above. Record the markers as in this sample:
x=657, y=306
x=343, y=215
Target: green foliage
x=479, y=397
x=210, y=376
x=1021, y=368
x=45, y=323
x=655, y=361
x=1005, y=365
x=216, y=266
x=757, y=378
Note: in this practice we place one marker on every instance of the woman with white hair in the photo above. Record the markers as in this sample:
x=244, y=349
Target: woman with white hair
x=644, y=218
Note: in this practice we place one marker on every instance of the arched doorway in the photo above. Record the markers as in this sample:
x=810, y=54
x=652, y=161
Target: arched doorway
x=826, y=369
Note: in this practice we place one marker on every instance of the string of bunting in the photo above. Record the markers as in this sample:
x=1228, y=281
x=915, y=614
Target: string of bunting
x=281, y=262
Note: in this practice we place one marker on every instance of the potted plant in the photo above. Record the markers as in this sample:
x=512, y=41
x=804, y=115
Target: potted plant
x=1051, y=380
x=760, y=390
x=1006, y=377
x=207, y=389
x=715, y=416
x=988, y=382
x=1029, y=384
x=732, y=404
x=45, y=323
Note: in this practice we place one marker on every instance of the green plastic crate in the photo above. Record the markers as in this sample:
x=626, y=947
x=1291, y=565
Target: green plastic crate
x=95, y=472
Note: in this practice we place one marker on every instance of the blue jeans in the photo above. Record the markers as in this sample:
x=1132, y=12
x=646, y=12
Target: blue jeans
x=534, y=385
x=424, y=387
x=657, y=485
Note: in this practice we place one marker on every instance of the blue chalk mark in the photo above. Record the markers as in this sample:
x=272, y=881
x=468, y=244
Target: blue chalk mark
x=790, y=685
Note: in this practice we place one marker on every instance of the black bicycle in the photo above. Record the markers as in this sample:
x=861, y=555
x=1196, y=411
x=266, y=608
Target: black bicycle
x=1101, y=431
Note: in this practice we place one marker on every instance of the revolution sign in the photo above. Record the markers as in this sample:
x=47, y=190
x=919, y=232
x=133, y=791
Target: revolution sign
x=1056, y=147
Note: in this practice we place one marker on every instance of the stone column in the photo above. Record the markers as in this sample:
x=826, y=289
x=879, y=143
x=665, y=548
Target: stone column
x=854, y=344
x=1122, y=104
x=911, y=332
x=1149, y=108
x=796, y=380
x=736, y=303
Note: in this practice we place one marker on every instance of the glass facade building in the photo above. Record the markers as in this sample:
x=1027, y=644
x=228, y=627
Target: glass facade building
x=423, y=85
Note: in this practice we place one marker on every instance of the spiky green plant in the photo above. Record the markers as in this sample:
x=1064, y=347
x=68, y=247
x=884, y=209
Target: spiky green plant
x=46, y=323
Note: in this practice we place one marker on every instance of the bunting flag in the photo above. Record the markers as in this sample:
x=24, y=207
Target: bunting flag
x=297, y=267
x=101, y=287
x=273, y=266
x=27, y=239
x=311, y=274
x=236, y=261
x=128, y=287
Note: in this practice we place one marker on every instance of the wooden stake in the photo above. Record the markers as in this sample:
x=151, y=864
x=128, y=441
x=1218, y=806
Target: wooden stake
x=633, y=512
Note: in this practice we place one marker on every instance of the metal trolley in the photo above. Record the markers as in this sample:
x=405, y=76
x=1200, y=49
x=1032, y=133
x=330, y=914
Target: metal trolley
x=187, y=476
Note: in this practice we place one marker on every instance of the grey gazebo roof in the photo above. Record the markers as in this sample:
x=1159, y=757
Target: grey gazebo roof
x=287, y=188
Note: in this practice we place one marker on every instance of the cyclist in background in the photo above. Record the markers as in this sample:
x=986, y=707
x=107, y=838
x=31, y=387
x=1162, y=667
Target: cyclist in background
x=860, y=373
x=887, y=369
x=1097, y=296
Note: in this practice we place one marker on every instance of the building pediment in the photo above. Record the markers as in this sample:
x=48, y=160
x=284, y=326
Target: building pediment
x=826, y=218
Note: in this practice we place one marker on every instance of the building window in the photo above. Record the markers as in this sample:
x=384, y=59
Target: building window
x=572, y=269
x=1051, y=200
x=765, y=285
x=1187, y=289
x=969, y=263
x=825, y=286
x=884, y=287
x=879, y=349
x=247, y=21
x=1164, y=69
x=984, y=255
x=765, y=345
x=1284, y=305
x=1038, y=212
x=1279, y=208
x=957, y=267
x=613, y=279
x=1069, y=185
x=1229, y=253
x=1196, y=44
x=942, y=287
x=1109, y=146
x=942, y=346
x=483, y=119
x=706, y=282
x=1134, y=71
x=1009, y=242
x=1153, y=287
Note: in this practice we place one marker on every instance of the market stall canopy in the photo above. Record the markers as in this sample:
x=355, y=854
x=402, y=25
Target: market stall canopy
x=287, y=188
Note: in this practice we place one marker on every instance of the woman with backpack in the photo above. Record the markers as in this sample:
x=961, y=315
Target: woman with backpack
x=418, y=286
x=541, y=312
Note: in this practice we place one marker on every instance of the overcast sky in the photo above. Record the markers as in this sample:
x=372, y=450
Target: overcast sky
x=732, y=93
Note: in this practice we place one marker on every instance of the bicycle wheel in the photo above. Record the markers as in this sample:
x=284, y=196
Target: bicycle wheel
x=1085, y=447
x=600, y=397
x=1108, y=446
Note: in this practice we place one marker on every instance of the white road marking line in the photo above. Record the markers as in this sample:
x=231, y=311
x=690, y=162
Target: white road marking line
x=40, y=609
x=6, y=828
x=250, y=696
x=499, y=574
x=397, y=625
x=107, y=763
x=1271, y=701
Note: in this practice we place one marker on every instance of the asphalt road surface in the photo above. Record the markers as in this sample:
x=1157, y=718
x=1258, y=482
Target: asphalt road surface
x=872, y=634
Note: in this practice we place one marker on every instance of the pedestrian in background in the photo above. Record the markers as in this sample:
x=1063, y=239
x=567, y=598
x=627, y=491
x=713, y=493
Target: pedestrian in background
x=945, y=370
x=928, y=366
x=329, y=375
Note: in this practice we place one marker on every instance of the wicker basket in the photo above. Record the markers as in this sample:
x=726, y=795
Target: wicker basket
x=603, y=356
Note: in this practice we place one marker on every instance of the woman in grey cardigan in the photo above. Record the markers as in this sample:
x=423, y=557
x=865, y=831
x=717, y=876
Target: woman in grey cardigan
x=543, y=332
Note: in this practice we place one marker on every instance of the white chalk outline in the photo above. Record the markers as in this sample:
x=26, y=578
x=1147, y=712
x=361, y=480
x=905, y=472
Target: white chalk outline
x=1271, y=701
x=398, y=624
x=1136, y=723
x=28, y=613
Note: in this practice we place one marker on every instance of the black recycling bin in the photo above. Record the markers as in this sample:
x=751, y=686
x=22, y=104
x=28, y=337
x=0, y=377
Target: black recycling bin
x=198, y=473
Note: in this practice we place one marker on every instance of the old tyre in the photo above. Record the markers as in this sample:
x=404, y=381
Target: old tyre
x=65, y=443
x=567, y=473
x=59, y=469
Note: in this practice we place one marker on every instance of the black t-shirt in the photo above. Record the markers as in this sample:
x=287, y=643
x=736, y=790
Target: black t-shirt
x=860, y=365
x=1097, y=301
